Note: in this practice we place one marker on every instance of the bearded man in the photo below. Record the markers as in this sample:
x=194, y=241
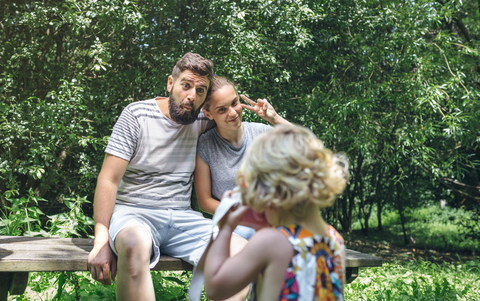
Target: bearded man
x=142, y=200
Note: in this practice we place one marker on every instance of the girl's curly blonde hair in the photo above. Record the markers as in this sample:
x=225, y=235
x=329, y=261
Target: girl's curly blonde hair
x=289, y=167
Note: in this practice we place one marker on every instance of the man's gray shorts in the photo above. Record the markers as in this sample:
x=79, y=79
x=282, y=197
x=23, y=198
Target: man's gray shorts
x=181, y=233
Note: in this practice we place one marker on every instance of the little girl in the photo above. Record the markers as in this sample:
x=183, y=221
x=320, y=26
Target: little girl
x=286, y=177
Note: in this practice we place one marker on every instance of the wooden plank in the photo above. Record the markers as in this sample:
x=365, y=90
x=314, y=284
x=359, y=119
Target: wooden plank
x=38, y=247
x=37, y=254
x=49, y=254
x=73, y=263
x=44, y=240
x=357, y=259
x=76, y=260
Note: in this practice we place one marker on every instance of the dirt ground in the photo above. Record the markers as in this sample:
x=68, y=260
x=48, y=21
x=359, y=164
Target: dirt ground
x=375, y=244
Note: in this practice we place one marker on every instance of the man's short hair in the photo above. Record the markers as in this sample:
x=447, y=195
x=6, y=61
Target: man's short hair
x=195, y=63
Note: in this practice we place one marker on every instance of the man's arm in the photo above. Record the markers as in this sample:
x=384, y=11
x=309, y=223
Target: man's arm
x=101, y=260
x=203, y=187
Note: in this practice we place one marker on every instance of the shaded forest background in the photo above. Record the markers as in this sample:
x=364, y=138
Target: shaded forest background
x=393, y=84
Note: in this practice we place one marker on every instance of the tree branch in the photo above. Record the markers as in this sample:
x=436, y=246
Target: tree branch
x=459, y=22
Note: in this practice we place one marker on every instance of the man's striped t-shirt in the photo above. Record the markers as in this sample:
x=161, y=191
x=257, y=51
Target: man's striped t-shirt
x=161, y=155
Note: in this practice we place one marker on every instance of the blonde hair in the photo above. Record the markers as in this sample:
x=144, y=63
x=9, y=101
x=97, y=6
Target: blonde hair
x=289, y=167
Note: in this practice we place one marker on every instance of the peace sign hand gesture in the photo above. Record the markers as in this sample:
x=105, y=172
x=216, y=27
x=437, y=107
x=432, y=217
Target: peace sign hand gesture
x=262, y=108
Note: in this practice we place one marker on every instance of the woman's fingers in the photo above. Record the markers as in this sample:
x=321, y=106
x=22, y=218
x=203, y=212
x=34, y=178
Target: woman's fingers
x=250, y=108
x=265, y=105
x=247, y=99
x=260, y=107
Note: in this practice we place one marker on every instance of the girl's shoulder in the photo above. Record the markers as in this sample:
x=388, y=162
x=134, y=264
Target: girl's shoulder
x=270, y=239
x=268, y=233
x=295, y=234
x=335, y=236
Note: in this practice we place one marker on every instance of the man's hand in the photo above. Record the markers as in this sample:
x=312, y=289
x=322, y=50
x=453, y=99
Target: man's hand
x=262, y=108
x=102, y=262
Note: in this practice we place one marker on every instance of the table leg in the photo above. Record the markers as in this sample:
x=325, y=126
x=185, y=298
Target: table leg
x=13, y=282
x=352, y=274
x=5, y=281
x=19, y=283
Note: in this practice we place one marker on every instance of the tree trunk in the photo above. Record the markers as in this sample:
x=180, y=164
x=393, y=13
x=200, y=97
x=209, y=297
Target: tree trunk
x=400, y=211
x=379, y=214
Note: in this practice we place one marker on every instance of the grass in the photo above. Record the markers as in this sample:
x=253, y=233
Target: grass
x=402, y=281
x=169, y=285
x=417, y=281
x=433, y=273
x=429, y=227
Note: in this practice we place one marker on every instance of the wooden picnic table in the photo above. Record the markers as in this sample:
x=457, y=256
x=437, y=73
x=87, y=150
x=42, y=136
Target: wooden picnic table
x=20, y=255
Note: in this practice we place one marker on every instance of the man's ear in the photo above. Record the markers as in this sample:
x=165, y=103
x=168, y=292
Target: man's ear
x=207, y=113
x=170, y=83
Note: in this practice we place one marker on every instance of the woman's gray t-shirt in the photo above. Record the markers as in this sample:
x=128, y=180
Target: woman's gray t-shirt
x=223, y=158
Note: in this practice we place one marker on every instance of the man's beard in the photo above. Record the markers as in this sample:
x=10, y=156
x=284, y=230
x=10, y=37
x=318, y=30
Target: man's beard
x=178, y=114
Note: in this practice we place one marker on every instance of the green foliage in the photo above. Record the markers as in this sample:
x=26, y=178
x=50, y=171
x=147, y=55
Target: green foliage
x=73, y=223
x=169, y=286
x=393, y=85
x=417, y=281
x=393, y=281
x=430, y=228
x=22, y=217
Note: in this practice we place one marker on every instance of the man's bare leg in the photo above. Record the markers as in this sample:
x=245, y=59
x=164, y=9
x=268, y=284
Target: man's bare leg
x=134, y=281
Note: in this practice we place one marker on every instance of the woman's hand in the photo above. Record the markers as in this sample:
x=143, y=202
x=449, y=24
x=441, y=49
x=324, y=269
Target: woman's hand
x=262, y=108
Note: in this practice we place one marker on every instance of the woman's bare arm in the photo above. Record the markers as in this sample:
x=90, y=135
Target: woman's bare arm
x=203, y=187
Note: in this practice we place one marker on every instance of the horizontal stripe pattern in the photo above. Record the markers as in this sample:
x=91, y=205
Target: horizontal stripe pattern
x=161, y=155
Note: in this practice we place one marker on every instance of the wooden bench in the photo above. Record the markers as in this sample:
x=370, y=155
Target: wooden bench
x=21, y=255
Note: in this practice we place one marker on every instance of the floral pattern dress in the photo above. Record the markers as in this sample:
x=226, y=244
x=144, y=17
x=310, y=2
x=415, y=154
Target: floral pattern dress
x=317, y=268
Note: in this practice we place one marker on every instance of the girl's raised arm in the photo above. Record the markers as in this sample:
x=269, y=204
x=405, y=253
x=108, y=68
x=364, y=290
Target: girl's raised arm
x=268, y=253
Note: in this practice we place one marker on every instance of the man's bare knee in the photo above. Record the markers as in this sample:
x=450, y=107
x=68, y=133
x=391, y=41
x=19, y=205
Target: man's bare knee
x=134, y=243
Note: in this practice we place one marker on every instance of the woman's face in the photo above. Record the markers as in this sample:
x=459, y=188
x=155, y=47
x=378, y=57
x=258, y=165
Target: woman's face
x=225, y=108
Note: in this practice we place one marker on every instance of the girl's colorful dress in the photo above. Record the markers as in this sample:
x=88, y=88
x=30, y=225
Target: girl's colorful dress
x=317, y=268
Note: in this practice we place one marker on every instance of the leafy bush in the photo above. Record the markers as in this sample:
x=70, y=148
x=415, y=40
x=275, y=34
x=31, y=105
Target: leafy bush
x=24, y=218
x=394, y=85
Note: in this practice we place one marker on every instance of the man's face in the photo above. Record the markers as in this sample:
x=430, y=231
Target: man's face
x=186, y=96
